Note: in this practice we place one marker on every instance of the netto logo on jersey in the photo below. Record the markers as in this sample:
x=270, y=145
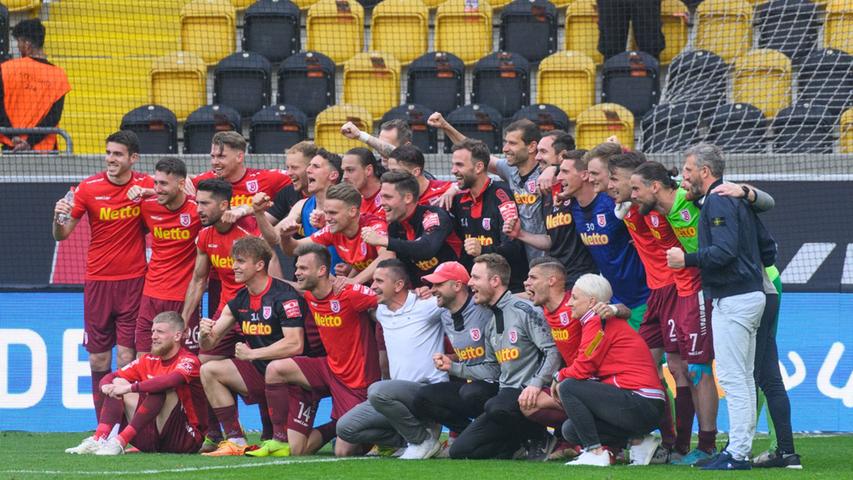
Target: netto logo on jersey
x=171, y=233
x=221, y=262
x=470, y=353
x=484, y=240
x=507, y=354
x=361, y=265
x=594, y=239
x=560, y=334
x=685, y=232
x=558, y=220
x=259, y=329
x=240, y=200
x=525, y=198
x=328, y=321
x=655, y=233
x=427, y=265
x=108, y=213
x=630, y=225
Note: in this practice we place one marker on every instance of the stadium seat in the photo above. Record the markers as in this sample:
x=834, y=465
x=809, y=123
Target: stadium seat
x=156, y=127
x=674, y=17
x=582, y=29
x=462, y=32
x=203, y=123
x=698, y=76
x=671, y=127
x=826, y=77
x=599, y=122
x=724, y=27
x=241, y=5
x=567, y=80
x=838, y=31
x=179, y=83
x=242, y=81
x=496, y=4
x=790, y=26
x=546, y=117
x=277, y=128
x=631, y=79
x=529, y=28
x=327, y=128
x=423, y=137
x=846, y=139
x=502, y=81
x=307, y=81
x=22, y=5
x=803, y=128
x=271, y=28
x=4, y=33
x=372, y=80
x=437, y=80
x=208, y=29
x=738, y=127
x=304, y=4
x=763, y=78
x=401, y=28
x=336, y=28
x=481, y=122
x=433, y=4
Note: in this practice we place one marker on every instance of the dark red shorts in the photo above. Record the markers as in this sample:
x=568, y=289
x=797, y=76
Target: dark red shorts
x=325, y=383
x=110, y=308
x=660, y=309
x=302, y=408
x=150, y=307
x=693, y=327
x=254, y=381
x=178, y=434
x=225, y=347
x=380, y=338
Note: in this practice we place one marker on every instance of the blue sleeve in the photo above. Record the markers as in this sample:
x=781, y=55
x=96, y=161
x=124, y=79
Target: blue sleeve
x=721, y=218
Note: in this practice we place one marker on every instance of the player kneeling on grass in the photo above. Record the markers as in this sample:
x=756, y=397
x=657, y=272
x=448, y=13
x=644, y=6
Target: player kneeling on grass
x=160, y=395
x=611, y=392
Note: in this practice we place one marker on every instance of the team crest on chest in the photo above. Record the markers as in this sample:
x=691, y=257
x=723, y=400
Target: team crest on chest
x=655, y=221
x=185, y=219
x=487, y=223
x=363, y=248
x=267, y=312
x=685, y=215
x=335, y=306
x=601, y=220
x=513, y=336
x=564, y=318
x=252, y=186
x=475, y=334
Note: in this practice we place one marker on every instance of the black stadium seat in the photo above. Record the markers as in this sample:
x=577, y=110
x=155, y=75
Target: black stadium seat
x=631, y=79
x=529, y=28
x=502, y=81
x=437, y=80
x=477, y=121
x=423, y=137
x=671, y=127
x=826, y=77
x=790, y=26
x=738, y=127
x=203, y=123
x=242, y=80
x=277, y=128
x=803, y=128
x=547, y=117
x=156, y=127
x=698, y=76
x=271, y=28
x=307, y=81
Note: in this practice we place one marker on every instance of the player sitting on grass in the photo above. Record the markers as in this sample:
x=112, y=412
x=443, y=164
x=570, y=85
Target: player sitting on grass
x=159, y=393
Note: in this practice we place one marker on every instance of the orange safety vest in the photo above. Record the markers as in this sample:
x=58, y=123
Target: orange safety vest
x=30, y=88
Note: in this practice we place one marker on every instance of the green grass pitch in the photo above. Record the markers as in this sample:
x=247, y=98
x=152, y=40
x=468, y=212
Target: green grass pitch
x=33, y=455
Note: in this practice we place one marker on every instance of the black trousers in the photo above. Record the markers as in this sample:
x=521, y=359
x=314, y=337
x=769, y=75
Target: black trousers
x=601, y=414
x=454, y=403
x=768, y=377
x=614, y=16
x=499, y=431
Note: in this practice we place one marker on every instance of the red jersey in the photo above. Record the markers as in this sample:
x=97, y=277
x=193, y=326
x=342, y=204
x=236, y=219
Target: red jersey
x=614, y=354
x=687, y=280
x=372, y=205
x=253, y=181
x=117, y=246
x=433, y=192
x=347, y=334
x=658, y=273
x=172, y=248
x=217, y=247
x=565, y=330
x=353, y=251
x=190, y=393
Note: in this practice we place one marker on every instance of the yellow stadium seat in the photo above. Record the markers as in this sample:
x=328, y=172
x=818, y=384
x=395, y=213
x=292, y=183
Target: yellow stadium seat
x=582, y=29
x=498, y=4
x=327, y=128
x=401, y=28
x=846, y=140
x=304, y=4
x=724, y=27
x=599, y=122
x=336, y=28
x=838, y=30
x=208, y=29
x=567, y=80
x=241, y=5
x=762, y=78
x=179, y=83
x=21, y=5
x=466, y=34
x=433, y=4
x=674, y=18
x=372, y=80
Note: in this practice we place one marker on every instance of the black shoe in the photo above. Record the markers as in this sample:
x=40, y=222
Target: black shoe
x=725, y=461
x=705, y=461
x=539, y=449
x=775, y=460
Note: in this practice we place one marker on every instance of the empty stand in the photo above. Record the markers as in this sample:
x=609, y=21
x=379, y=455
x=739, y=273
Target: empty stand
x=277, y=128
x=698, y=76
x=179, y=83
x=271, y=28
x=327, y=129
x=336, y=28
x=502, y=81
x=156, y=127
x=481, y=122
x=671, y=127
x=790, y=26
x=423, y=137
x=437, y=80
x=208, y=29
x=546, y=117
x=22, y=5
x=724, y=27
x=582, y=29
x=803, y=128
x=401, y=28
x=838, y=31
x=243, y=81
x=738, y=127
x=307, y=81
x=372, y=80
x=464, y=32
x=202, y=125
x=763, y=78
x=567, y=80
x=846, y=140
x=599, y=122
x=529, y=28
x=826, y=77
x=631, y=79
x=674, y=17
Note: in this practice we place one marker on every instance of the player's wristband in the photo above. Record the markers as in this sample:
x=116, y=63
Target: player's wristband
x=134, y=387
x=363, y=137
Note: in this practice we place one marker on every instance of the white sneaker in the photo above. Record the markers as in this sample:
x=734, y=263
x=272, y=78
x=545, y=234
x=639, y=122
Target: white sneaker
x=87, y=447
x=590, y=459
x=111, y=447
x=642, y=453
x=422, y=451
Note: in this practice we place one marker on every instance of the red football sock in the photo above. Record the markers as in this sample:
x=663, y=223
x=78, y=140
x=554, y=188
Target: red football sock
x=111, y=413
x=266, y=423
x=667, y=430
x=278, y=404
x=707, y=441
x=327, y=431
x=146, y=413
x=214, y=430
x=684, y=412
x=97, y=396
x=230, y=420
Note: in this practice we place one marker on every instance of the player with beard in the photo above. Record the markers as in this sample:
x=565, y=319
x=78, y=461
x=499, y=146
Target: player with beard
x=362, y=170
x=438, y=193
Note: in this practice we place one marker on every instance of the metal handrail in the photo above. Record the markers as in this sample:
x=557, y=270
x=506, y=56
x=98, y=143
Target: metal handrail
x=69, y=144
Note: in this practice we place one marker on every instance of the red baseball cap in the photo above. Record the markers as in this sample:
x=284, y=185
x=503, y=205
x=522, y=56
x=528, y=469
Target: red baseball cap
x=448, y=271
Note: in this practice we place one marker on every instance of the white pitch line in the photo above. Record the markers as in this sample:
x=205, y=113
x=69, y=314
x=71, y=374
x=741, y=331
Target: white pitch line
x=187, y=469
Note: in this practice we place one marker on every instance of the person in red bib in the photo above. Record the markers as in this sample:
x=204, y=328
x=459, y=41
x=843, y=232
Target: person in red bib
x=115, y=261
x=162, y=389
x=32, y=90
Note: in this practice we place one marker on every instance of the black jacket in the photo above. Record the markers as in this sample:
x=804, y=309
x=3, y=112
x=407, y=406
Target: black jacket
x=424, y=241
